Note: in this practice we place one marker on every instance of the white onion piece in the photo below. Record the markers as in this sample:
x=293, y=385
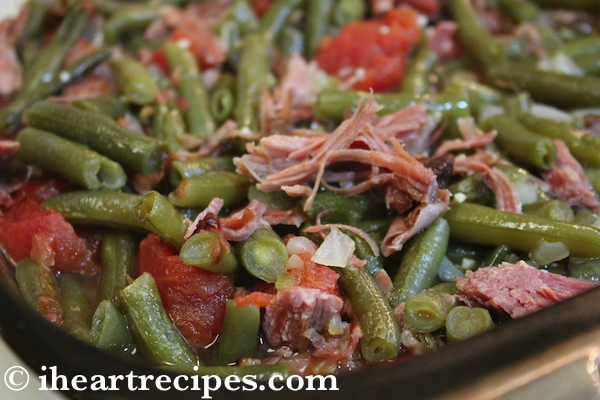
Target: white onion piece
x=300, y=244
x=336, y=249
x=549, y=112
x=545, y=252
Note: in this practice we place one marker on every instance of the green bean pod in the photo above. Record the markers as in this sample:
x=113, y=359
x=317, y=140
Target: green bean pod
x=416, y=78
x=133, y=151
x=520, y=10
x=487, y=226
x=83, y=166
x=169, y=126
x=380, y=339
x=155, y=334
x=583, y=146
x=191, y=88
x=110, y=330
x=276, y=16
x=182, y=169
x=421, y=259
x=198, y=191
x=77, y=313
x=264, y=255
x=519, y=142
x=426, y=311
x=239, y=337
x=110, y=106
x=129, y=18
x=584, y=268
x=39, y=288
x=118, y=252
x=464, y=322
x=551, y=209
x=134, y=81
x=317, y=24
x=204, y=250
x=222, y=104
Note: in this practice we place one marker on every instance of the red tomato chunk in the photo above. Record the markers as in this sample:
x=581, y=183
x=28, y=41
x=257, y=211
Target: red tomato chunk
x=193, y=297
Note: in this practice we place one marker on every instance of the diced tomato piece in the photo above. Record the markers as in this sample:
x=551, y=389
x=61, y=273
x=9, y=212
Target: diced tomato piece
x=261, y=6
x=259, y=299
x=27, y=230
x=372, y=54
x=42, y=190
x=193, y=297
x=314, y=276
x=204, y=45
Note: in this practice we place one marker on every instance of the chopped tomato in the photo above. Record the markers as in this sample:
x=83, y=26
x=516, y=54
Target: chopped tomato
x=42, y=190
x=261, y=6
x=372, y=54
x=193, y=297
x=314, y=276
x=28, y=231
x=259, y=299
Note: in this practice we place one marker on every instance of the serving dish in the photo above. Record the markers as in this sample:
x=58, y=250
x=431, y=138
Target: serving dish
x=552, y=354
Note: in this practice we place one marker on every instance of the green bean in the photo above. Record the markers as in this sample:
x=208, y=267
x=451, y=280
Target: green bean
x=254, y=75
x=191, y=88
x=51, y=58
x=477, y=39
x=421, y=260
x=584, y=268
x=380, y=340
x=155, y=334
x=587, y=218
x=34, y=25
x=335, y=104
x=583, y=146
x=169, y=126
x=39, y=288
x=589, y=63
x=520, y=10
x=137, y=152
x=264, y=255
x=134, y=81
x=316, y=25
x=472, y=189
x=464, y=322
x=237, y=21
x=426, y=311
x=110, y=106
x=110, y=330
x=77, y=313
x=497, y=256
x=346, y=209
x=593, y=174
x=551, y=209
x=11, y=114
x=278, y=199
x=198, y=191
x=182, y=169
x=148, y=213
x=290, y=41
x=345, y=11
x=519, y=142
x=416, y=79
x=561, y=90
x=262, y=372
x=204, y=250
x=130, y=18
x=82, y=166
x=576, y=4
x=362, y=250
x=487, y=226
x=276, y=16
x=118, y=252
x=239, y=337
x=222, y=104
x=588, y=45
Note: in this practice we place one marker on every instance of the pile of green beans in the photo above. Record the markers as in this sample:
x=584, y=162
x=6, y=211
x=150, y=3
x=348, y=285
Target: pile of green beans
x=178, y=102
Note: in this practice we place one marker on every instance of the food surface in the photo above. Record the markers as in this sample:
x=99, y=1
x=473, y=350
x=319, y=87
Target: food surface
x=297, y=186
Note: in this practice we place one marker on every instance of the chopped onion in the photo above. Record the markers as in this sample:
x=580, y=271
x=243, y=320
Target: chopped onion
x=448, y=271
x=336, y=249
x=526, y=191
x=545, y=252
x=549, y=112
x=300, y=244
x=560, y=63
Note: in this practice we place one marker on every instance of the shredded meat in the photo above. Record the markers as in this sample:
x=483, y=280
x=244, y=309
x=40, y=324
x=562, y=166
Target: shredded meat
x=244, y=222
x=11, y=74
x=295, y=310
x=569, y=182
x=519, y=289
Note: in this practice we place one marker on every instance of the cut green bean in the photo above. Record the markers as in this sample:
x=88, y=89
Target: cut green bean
x=83, y=166
x=130, y=18
x=239, y=337
x=77, y=313
x=182, y=169
x=427, y=310
x=583, y=146
x=380, y=340
x=133, y=151
x=155, y=334
x=198, y=191
x=118, y=252
x=110, y=330
x=317, y=24
x=520, y=10
x=584, y=268
x=39, y=288
x=264, y=255
x=278, y=199
x=169, y=126
x=110, y=106
x=276, y=16
x=465, y=322
x=346, y=209
x=191, y=88
x=416, y=80
x=204, y=250
x=487, y=226
x=421, y=260
x=519, y=142
x=222, y=104
x=477, y=39
x=551, y=209
x=134, y=81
